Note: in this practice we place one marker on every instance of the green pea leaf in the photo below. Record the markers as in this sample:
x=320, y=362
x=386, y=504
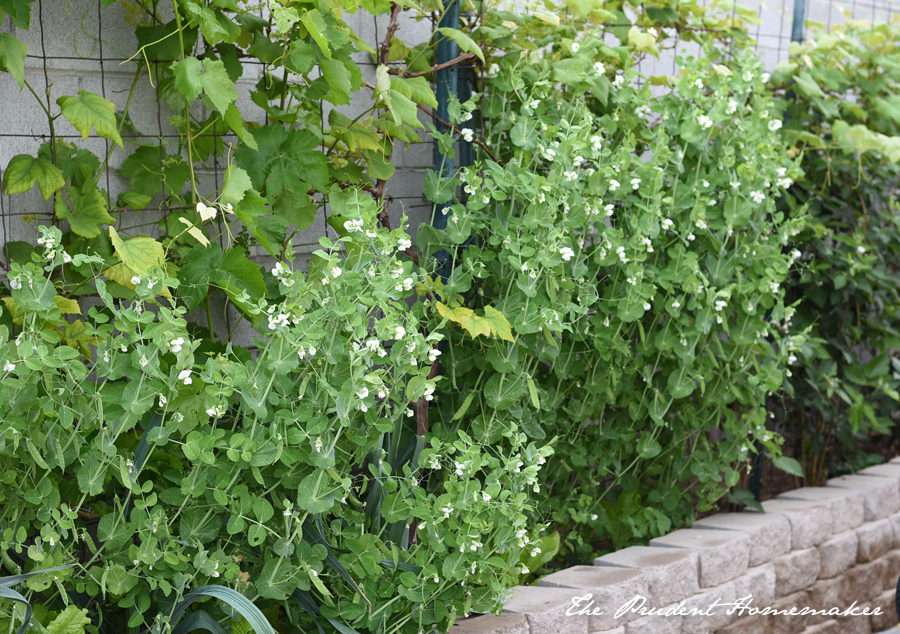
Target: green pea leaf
x=314, y=494
x=23, y=170
x=91, y=111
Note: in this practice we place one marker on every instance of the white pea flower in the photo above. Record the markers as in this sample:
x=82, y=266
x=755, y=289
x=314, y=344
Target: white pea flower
x=176, y=344
x=570, y=175
x=9, y=367
x=618, y=81
x=566, y=253
x=185, y=375
x=336, y=272
x=667, y=224
x=429, y=393
x=646, y=306
x=748, y=76
x=403, y=244
x=698, y=83
x=704, y=121
x=135, y=280
x=162, y=400
x=143, y=362
x=792, y=360
x=575, y=47
x=433, y=354
x=15, y=285
x=493, y=70
x=765, y=77
x=468, y=135
x=757, y=196
x=549, y=154
x=613, y=185
x=635, y=183
x=676, y=304
x=860, y=250
x=691, y=237
x=774, y=124
x=399, y=332
x=363, y=393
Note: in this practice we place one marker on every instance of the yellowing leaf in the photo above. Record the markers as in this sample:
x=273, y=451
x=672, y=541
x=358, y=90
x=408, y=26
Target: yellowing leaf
x=65, y=306
x=23, y=170
x=91, y=111
x=465, y=317
x=499, y=325
x=75, y=336
x=195, y=232
x=139, y=254
x=549, y=18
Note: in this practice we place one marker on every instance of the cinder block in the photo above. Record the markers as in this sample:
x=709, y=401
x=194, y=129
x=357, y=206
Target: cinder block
x=672, y=574
x=825, y=594
x=747, y=625
x=707, y=618
x=545, y=609
x=860, y=624
x=789, y=624
x=655, y=624
x=826, y=627
x=838, y=554
x=885, y=470
x=796, y=571
x=886, y=603
x=490, y=624
x=881, y=495
x=864, y=582
x=770, y=535
x=847, y=508
x=895, y=525
x=723, y=554
x=875, y=539
x=810, y=521
x=891, y=569
x=609, y=589
x=759, y=582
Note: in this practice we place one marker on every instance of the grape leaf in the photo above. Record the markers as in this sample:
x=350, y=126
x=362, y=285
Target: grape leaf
x=465, y=43
x=209, y=77
x=237, y=182
x=152, y=171
x=499, y=325
x=12, y=57
x=139, y=254
x=89, y=211
x=70, y=621
x=229, y=270
x=91, y=111
x=23, y=170
x=19, y=11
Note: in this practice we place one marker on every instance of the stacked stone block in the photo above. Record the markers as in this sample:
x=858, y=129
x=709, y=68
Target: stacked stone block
x=820, y=548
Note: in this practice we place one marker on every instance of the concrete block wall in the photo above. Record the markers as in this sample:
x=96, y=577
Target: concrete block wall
x=815, y=547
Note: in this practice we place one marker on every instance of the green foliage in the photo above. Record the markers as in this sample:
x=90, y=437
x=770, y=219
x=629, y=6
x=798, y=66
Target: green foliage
x=845, y=124
x=637, y=290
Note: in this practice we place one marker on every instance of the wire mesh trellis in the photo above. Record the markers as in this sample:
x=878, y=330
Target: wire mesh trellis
x=56, y=64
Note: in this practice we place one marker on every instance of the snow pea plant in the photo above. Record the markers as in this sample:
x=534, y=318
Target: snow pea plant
x=634, y=243
x=153, y=466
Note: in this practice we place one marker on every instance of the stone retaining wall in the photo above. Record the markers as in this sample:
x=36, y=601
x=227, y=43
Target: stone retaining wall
x=817, y=547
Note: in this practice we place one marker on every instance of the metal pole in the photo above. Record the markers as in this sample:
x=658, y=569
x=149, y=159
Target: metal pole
x=446, y=81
